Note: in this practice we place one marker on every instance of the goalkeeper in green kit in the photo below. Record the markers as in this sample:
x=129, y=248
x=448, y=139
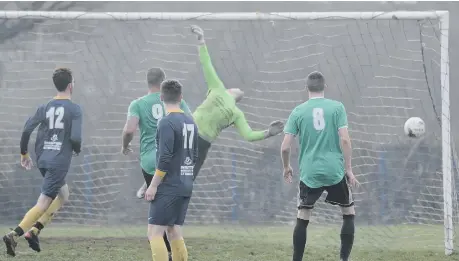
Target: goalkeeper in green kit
x=219, y=111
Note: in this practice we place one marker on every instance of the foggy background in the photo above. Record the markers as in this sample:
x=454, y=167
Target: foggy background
x=383, y=71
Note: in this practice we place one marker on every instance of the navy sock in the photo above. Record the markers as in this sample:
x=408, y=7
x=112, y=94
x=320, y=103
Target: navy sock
x=347, y=236
x=299, y=239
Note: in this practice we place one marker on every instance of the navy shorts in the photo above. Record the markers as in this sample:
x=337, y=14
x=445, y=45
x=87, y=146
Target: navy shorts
x=339, y=194
x=53, y=181
x=168, y=210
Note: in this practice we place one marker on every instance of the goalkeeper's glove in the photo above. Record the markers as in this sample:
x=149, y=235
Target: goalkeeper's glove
x=275, y=128
x=198, y=32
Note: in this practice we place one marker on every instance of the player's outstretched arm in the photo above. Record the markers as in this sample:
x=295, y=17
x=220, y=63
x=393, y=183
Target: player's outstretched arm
x=76, y=131
x=248, y=134
x=130, y=127
x=29, y=127
x=212, y=79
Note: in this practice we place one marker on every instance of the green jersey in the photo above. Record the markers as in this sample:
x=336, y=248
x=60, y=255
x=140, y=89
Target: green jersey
x=149, y=110
x=219, y=110
x=316, y=123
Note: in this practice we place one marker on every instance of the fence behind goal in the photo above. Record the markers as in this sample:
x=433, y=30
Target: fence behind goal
x=384, y=71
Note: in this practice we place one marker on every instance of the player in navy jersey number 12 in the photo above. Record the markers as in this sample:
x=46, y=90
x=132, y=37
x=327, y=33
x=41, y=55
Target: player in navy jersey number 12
x=58, y=138
x=325, y=162
x=172, y=184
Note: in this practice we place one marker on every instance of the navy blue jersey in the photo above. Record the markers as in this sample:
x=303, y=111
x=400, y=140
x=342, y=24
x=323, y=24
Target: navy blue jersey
x=177, y=153
x=59, y=133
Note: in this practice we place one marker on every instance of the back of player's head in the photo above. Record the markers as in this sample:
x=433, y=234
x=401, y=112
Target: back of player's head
x=62, y=78
x=155, y=76
x=315, y=82
x=171, y=91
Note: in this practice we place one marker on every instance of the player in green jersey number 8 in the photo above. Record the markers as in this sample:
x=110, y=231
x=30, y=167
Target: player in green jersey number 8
x=325, y=162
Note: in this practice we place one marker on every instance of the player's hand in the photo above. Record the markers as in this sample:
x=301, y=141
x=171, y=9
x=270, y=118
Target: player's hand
x=288, y=174
x=150, y=193
x=275, y=128
x=126, y=151
x=352, y=179
x=26, y=162
x=141, y=192
x=198, y=32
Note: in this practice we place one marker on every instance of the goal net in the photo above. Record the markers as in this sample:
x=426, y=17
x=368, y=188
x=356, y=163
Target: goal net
x=384, y=71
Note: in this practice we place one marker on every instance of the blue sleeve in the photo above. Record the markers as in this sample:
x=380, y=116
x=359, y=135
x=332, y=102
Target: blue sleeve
x=76, y=131
x=166, y=136
x=29, y=127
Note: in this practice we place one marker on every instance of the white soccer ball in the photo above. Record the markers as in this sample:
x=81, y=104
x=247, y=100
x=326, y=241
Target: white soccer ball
x=415, y=127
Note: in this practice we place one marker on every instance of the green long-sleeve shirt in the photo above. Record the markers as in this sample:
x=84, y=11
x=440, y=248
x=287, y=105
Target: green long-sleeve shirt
x=219, y=110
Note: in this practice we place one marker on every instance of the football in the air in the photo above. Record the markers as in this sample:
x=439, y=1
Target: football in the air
x=415, y=127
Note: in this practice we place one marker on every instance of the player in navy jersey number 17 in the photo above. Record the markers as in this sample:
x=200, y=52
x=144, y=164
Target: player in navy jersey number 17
x=58, y=138
x=145, y=113
x=171, y=187
x=325, y=162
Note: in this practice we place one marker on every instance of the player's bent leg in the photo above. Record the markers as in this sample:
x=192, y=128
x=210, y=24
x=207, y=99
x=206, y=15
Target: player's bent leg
x=340, y=194
x=27, y=222
x=161, y=215
x=347, y=232
x=307, y=198
x=158, y=248
x=300, y=233
x=32, y=235
x=179, y=250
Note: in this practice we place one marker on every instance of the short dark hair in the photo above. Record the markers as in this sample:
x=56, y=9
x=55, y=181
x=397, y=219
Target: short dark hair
x=62, y=77
x=315, y=82
x=171, y=91
x=155, y=76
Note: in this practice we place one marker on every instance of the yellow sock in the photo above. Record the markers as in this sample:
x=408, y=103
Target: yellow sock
x=179, y=251
x=49, y=213
x=35, y=230
x=158, y=249
x=30, y=218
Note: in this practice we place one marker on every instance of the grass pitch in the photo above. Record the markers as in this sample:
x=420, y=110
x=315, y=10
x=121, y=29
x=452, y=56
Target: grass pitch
x=212, y=243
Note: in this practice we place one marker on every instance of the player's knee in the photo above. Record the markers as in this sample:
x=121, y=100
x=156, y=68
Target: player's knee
x=348, y=227
x=64, y=193
x=174, y=232
x=304, y=213
x=44, y=201
x=348, y=210
x=155, y=231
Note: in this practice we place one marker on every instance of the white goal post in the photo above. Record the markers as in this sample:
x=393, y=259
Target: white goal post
x=441, y=16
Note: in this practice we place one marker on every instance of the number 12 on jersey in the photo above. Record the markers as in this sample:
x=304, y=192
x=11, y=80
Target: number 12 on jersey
x=188, y=138
x=55, y=123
